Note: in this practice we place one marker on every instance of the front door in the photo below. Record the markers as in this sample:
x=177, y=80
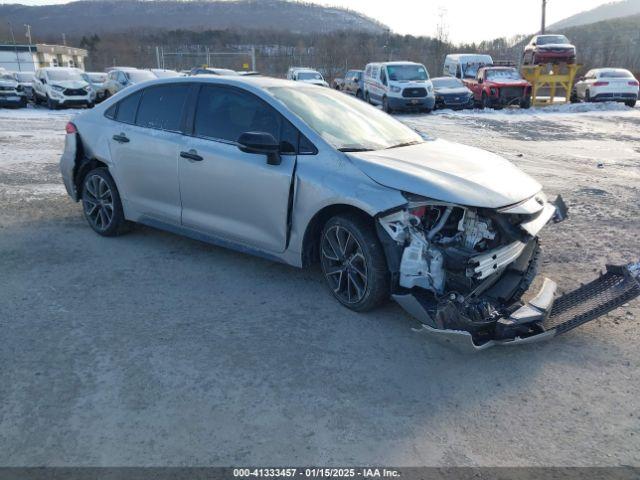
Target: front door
x=229, y=193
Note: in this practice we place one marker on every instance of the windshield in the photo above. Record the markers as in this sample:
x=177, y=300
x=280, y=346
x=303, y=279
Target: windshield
x=405, y=73
x=503, y=74
x=446, y=83
x=63, y=75
x=97, y=77
x=616, y=74
x=137, y=76
x=165, y=73
x=24, y=77
x=345, y=122
x=309, y=76
x=551, y=39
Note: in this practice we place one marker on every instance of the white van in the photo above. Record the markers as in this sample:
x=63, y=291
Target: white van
x=465, y=65
x=399, y=86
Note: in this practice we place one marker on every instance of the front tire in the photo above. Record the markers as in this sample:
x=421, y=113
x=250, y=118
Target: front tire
x=574, y=96
x=587, y=96
x=101, y=204
x=353, y=262
x=51, y=105
x=385, y=105
x=486, y=101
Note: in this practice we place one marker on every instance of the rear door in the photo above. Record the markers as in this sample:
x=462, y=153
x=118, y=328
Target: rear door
x=229, y=193
x=145, y=143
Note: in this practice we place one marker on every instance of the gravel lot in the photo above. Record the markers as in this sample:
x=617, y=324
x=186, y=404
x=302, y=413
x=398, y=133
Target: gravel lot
x=152, y=349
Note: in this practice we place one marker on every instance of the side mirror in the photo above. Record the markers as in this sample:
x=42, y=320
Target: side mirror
x=261, y=143
x=581, y=79
x=44, y=81
x=480, y=80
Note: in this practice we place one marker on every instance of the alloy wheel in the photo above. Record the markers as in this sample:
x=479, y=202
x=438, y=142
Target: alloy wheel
x=344, y=264
x=98, y=202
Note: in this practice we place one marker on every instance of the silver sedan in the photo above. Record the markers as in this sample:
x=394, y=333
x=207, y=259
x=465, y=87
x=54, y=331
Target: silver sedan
x=304, y=175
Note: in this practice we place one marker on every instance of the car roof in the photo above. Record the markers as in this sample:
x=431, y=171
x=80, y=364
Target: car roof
x=491, y=67
x=256, y=81
x=59, y=69
x=461, y=56
x=608, y=69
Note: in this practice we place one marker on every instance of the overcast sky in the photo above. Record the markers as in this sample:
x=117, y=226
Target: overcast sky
x=467, y=20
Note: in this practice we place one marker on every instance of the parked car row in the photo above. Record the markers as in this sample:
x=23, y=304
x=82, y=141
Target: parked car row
x=477, y=81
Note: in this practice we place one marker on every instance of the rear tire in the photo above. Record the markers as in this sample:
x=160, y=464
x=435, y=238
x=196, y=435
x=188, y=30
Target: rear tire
x=526, y=103
x=359, y=95
x=367, y=98
x=353, y=262
x=587, y=96
x=101, y=204
x=630, y=103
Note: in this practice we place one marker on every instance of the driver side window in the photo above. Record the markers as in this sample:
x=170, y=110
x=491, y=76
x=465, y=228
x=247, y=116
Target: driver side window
x=383, y=76
x=226, y=113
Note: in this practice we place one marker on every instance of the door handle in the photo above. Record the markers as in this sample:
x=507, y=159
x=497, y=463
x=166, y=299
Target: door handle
x=122, y=138
x=191, y=155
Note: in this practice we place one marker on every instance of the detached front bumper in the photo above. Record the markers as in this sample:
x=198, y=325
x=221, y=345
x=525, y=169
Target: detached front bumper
x=542, y=317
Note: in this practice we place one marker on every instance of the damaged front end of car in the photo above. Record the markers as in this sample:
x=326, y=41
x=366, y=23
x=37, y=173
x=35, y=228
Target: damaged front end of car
x=463, y=273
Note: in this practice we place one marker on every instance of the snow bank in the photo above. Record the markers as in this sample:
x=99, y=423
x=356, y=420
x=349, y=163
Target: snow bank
x=514, y=113
x=32, y=112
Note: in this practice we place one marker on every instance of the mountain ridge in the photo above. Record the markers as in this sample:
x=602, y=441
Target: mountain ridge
x=608, y=11
x=102, y=16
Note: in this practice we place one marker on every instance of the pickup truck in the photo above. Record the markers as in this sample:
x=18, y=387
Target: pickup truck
x=498, y=87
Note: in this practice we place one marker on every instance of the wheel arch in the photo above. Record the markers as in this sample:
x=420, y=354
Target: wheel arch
x=311, y=237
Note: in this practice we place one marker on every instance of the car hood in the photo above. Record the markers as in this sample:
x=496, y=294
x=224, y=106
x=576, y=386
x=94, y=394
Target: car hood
x=452, y=91
x=509, y=81
x=555, y=45
x=315, y=82
x=449, y=172
x=70, y=83
x=8, y=83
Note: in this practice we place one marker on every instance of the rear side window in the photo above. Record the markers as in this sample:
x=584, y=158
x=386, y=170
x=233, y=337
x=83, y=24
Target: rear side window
x=128, y=107
x=161, y=107
x=225, y=114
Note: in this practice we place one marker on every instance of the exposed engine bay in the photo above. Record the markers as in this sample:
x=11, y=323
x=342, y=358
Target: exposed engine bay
x=466, y=270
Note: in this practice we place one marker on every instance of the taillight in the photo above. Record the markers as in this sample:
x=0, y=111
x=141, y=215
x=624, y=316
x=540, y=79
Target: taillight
x=633, y=83
x=600, y=84
x=71, y=128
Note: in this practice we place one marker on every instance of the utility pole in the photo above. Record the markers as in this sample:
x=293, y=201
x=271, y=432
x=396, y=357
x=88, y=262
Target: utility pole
x=28, y=34
x=64, y=39
x=15, y=47
x=544, y=17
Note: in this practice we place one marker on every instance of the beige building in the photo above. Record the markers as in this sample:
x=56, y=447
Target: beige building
x=28, y=58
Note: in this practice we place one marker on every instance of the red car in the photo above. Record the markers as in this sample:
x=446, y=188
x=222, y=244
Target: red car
x=497, y=87
x=549, y=49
